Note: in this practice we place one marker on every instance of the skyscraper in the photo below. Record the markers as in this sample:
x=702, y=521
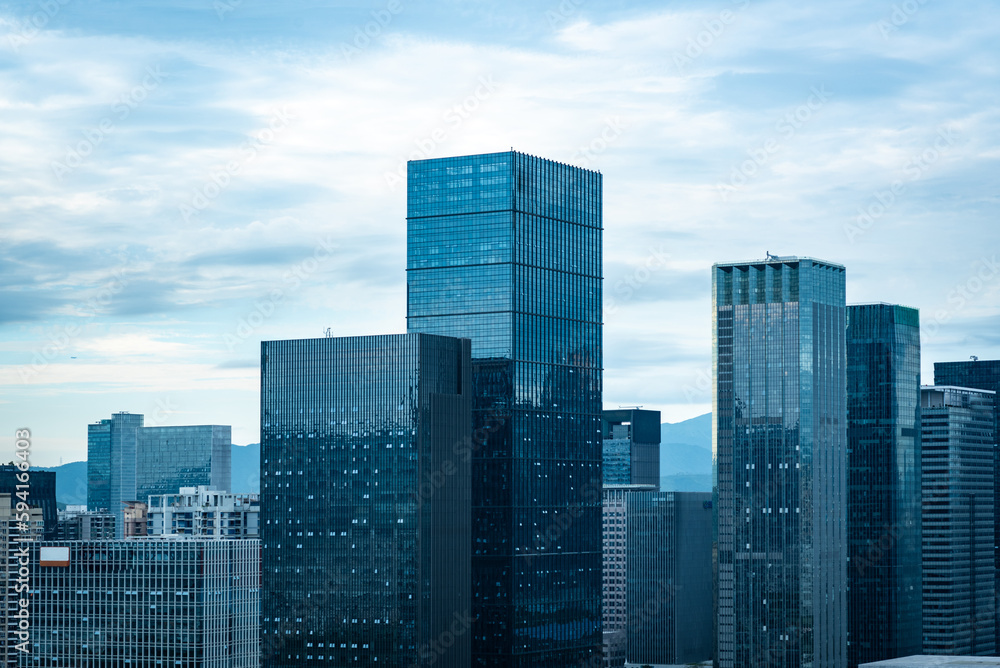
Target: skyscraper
x=631, y=447
x=168, y=458
x=981, y=375
x=111, y=451
x=957, y=444
x=669, y=578
x=883, y=482
x=365, y=501
x=505, y=249
x=780, y=463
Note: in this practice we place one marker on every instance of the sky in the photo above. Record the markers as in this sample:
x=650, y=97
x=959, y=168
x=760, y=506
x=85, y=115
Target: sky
x=179, y=181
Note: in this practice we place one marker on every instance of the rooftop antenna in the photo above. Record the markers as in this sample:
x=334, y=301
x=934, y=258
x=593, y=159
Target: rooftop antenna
x=769, y=256
x=328, y=333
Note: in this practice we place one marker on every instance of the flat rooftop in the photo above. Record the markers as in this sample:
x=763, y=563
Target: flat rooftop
x=922, y=661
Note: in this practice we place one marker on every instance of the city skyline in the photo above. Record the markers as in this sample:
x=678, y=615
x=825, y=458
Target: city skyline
x=722, y=131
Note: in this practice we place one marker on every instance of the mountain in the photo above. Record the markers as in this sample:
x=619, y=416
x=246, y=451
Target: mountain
x=686, y=455
x=71, y=482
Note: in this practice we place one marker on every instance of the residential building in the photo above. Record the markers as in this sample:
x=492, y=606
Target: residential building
x=78, y=523
x=365, y=491
x=669, y=578
x=505, y=249
x=780, y=443
x=631, y=447
x=136, y=519
x=883, y=482
x=205, y=512
x=957, y=454
x=193, y=603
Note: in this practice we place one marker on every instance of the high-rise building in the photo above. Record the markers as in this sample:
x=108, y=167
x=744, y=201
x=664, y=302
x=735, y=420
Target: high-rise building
x=19, y=529
x=111, y=451
x=41, y=492
x=168, y=458
x=145, y=602
x=631, y=447
x=780, y=463
x=883, y=482
x=981, y=375
x=127, y=462
x=206, y=512
x=615, y=570
x=505, y=249
x=957, y=453
x=365, y=500
x=669, y=578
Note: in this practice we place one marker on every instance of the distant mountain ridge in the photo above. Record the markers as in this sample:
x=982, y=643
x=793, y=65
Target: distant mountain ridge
x=686, y=455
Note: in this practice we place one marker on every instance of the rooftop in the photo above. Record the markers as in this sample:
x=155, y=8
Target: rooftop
x=945, y=661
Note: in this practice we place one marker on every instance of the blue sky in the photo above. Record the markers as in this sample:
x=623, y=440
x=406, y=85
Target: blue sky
x=179, y=181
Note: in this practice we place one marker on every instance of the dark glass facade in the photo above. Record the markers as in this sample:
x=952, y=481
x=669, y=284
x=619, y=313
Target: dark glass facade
x=957, y=444
x=883, y=478
x=780, y=463
x=631, y=447
x=669, y=578
x=981, y=375
x=111, y=450
x=168, y=458
x=505, y=249
x=365, y=501
x=41, y=493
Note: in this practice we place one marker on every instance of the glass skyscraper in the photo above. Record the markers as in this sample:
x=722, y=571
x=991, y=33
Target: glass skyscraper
x=780, y=463
x=957, y=452
x=168, y=458
x=505, y=249
x=366, y=445
x=111, y=450
x=631, y=447
x=883, y=482
x=981, y=375
x=669, y=578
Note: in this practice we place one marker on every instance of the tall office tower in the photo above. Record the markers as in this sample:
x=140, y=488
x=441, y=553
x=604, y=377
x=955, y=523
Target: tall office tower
x=669, y=578
x=168, y=458
x=631, y=447
x=41, y=493
x=981, y=375
x=365, y=500
x=19, y=529
x=957, y=444
x=613, y=577
x=111, y=446
x=883, y=483
x=145, y=602
x=780, y=463
x=505, y=249
x=200, y=511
